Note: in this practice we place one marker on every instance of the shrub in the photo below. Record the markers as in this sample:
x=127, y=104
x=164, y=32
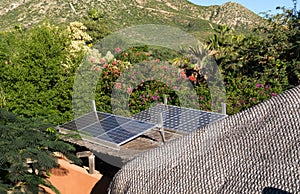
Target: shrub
x=26, y=147
x=37, y=72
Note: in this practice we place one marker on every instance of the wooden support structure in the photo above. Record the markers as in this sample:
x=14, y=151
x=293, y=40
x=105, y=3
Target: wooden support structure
x=91, y=158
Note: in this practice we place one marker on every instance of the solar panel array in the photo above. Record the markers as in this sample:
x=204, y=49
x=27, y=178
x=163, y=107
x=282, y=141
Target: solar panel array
x=113, y=130
x=107, y=128
x=178, y=118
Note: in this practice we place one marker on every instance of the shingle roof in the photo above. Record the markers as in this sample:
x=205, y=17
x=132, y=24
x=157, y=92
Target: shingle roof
x=244, y=153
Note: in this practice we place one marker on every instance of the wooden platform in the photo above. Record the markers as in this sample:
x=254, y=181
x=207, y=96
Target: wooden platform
x=128, y=151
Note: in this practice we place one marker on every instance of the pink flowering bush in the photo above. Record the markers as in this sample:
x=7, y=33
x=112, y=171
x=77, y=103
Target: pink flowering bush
x=137, y=79
x=142, y=84
x=242, y=93
x=147, y=82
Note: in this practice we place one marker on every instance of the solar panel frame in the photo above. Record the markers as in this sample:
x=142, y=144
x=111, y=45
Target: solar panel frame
x=81, y=122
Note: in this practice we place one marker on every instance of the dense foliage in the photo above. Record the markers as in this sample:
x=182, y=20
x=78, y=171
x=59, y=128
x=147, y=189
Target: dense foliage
x=261, y=64
x=38, y=68
x=96, y=25
x=26, y=148
x=140, y=77
x=255, y=66
x=37, y=72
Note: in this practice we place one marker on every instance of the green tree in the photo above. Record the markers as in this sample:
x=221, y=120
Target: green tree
x=26, y=147
x=37, y=73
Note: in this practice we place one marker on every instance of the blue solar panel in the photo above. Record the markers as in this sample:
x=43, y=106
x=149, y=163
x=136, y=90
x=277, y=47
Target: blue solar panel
x=117, y=130
x=150, y=115
x=126, y=132
x=179, y=118
x=109, y=128
x=172, y=111
x=116, y=136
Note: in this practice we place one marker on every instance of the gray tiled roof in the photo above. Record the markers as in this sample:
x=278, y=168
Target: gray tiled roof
x=244, y=153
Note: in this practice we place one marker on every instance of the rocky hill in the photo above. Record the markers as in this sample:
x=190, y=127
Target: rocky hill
x=122, y=13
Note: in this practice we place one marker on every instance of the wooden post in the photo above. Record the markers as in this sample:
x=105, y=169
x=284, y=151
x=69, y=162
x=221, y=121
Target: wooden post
x=92, y=164
x=91, y=158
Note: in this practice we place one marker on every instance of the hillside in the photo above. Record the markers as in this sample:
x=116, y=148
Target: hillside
x=120, y=13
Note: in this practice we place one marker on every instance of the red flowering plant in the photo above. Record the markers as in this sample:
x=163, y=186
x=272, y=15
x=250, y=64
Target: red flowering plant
x=146, y=83
x=201, y=70
x=107, y=80
x=112, y=66
x=139, y=86
x=193, y=62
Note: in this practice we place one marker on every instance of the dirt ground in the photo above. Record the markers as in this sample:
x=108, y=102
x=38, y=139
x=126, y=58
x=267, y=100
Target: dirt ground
x=69, y=178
